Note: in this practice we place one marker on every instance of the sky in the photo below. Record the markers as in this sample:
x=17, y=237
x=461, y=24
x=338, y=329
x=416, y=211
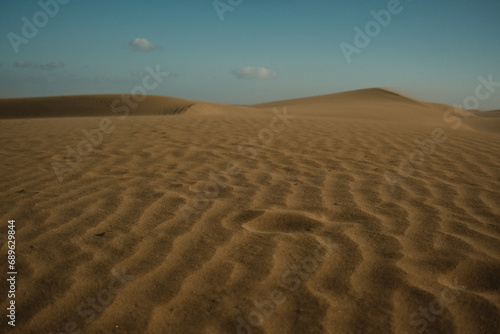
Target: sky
x=252, y=51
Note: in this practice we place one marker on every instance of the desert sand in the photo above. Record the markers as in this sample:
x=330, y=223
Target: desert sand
x=359, y=212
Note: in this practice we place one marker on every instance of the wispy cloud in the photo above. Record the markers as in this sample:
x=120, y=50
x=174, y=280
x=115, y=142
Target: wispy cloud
x=139, y=74
x=51, y=65
x=21, y=63
x=44, y=66
x=142, y=44
x=250, y=72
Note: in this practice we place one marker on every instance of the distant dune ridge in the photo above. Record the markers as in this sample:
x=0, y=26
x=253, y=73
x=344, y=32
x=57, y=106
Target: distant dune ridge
x=358, y=212
x=373, y=103
x=105, y=105
x=90, y=105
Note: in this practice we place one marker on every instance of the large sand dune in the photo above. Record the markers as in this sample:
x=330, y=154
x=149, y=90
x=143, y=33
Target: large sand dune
x=90, y=105
x=107, y=105
x=226, y=219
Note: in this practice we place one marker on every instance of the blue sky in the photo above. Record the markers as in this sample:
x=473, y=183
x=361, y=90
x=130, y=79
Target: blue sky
x=263, y=50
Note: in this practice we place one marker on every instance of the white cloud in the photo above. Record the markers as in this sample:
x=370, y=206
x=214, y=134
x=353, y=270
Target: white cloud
x=142, y=44
x=250, y=72
x=51, y=65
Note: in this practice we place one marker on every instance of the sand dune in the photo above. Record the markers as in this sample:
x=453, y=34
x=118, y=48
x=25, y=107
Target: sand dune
x=228, y=219
x=90, y=105
x=488, y=121
x=373, y=104
x=370, y=95
x=108, y=105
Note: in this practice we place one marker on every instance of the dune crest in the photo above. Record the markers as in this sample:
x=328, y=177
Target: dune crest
x=91, y=105
x=363, y=95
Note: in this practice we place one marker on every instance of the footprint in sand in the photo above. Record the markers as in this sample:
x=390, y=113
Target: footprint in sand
x=282, y=221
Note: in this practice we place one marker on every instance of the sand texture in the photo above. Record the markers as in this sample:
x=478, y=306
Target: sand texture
x=359, y=212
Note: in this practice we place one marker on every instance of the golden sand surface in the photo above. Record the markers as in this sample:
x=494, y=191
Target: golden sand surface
x=358, y=212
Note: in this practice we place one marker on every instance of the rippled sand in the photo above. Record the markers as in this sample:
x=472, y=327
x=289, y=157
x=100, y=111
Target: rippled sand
x=241, y=220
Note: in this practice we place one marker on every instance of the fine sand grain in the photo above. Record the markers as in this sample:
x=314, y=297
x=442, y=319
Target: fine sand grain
x=191, y=217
